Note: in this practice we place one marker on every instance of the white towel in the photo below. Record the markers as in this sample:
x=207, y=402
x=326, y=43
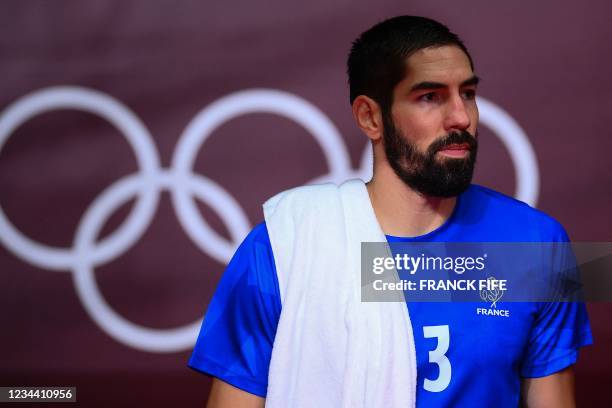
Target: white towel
x=331, y=349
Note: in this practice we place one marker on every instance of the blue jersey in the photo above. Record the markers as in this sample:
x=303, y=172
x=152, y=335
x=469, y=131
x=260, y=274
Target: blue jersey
x=464, y=358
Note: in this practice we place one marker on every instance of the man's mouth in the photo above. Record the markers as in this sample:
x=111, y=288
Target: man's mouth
x=455, y=150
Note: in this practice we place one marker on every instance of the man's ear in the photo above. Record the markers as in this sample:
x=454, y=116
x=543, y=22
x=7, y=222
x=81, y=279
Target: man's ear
x=368, y=116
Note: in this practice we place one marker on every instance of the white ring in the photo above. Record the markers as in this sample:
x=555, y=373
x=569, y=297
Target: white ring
x=117, y=114
x=517, y=143
x=227, y=108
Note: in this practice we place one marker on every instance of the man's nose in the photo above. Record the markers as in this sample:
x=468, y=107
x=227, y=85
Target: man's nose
x=457, y=117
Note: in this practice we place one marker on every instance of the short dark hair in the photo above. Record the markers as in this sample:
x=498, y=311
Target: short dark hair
x=377, y=60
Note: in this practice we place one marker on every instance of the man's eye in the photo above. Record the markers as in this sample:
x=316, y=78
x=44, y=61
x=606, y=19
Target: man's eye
x=428, y=97
x=469, y=94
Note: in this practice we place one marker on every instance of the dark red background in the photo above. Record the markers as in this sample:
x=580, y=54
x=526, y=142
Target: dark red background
x=546, y=63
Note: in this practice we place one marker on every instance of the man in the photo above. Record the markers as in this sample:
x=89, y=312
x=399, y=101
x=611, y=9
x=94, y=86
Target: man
x=413, y=94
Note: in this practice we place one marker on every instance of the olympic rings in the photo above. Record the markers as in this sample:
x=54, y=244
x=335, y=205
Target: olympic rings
x=183, y=184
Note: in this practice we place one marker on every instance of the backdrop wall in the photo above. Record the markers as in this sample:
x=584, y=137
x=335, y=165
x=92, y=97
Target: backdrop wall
x=138, y=140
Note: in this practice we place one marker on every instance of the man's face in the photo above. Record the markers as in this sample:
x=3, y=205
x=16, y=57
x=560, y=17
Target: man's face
x=430, y=135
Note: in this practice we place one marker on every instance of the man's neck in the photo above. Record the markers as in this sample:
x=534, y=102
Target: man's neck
x=403, y=212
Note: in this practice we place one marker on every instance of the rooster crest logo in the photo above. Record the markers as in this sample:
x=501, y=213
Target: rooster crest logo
x=491, y=295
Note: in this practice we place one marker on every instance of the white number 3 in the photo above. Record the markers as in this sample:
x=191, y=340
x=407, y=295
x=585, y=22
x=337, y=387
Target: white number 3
x=438, y=357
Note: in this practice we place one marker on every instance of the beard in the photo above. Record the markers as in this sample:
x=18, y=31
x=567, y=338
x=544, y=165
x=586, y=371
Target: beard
x=426, y=173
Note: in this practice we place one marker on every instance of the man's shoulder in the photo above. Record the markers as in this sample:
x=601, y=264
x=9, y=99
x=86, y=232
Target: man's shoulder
x=259, y=234
x=511, y=210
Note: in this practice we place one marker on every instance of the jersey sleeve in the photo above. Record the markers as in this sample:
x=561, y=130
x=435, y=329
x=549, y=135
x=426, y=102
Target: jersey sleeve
x=561, y=328
x=237, y=334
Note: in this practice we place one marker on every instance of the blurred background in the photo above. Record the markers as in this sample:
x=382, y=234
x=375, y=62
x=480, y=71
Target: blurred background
x=138, y=140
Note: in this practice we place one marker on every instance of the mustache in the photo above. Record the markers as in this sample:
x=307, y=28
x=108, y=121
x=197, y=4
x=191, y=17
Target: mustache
x=463, y=137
